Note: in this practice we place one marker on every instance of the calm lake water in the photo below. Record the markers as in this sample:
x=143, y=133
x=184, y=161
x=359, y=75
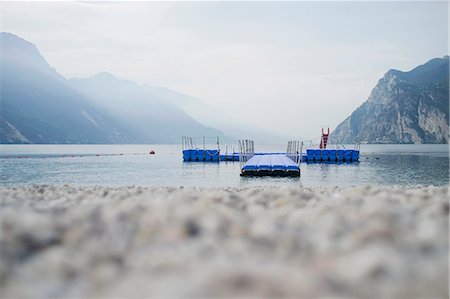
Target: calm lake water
x=87, y=165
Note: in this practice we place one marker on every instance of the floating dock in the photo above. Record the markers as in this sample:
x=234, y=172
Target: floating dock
x=311, y=156
x=270, y=165
x=198, y=155
x=331, y=155
x=192, y=153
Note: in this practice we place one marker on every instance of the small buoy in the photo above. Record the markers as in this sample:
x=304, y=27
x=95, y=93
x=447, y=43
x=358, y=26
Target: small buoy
x=152, y=152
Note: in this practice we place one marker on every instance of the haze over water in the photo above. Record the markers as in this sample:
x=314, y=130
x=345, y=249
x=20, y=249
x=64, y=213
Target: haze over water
x=403, y=165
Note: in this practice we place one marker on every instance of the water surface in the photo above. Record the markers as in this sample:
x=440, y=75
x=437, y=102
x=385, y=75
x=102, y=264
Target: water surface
x=127, y=165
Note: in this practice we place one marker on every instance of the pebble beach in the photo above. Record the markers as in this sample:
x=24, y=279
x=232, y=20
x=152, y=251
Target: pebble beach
x=265, y=242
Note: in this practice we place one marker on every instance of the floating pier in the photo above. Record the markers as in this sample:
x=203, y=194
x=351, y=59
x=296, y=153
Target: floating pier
x=331, y=155
x=336, y=155
x=311, y=155
x=198, y=155
x=269, y=164
x=192, y=153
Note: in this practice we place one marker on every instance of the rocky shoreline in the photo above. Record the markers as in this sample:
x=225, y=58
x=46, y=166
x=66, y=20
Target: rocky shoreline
x=100, y=242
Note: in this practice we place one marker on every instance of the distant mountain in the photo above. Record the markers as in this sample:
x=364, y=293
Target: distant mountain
x=211, y=116
x=404, y=107
x=152, y=118
x=37, y=107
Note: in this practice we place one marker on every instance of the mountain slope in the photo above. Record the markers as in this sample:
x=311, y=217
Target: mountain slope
x=404, y=107
x=36, y=106
x=210, y=116
x=152, y=118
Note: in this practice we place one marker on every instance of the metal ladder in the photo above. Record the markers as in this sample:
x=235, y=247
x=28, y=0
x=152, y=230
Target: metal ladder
x=324, y=138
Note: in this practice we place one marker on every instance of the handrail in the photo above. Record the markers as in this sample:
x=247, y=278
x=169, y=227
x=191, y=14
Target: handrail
x=294, y=150
x=246, y=150
x=190, y=142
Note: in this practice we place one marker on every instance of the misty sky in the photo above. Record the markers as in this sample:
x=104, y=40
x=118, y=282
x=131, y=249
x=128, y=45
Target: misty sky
x=288, y=66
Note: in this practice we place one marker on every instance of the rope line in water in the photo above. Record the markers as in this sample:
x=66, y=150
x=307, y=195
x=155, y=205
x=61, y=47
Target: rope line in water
x=72, y=156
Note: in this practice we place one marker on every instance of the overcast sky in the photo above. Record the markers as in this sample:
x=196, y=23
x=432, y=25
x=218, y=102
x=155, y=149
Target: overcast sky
x=288, y=66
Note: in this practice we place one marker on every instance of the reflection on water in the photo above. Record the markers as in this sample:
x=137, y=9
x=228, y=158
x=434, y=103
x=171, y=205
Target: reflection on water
x=383, y=169
x=117, y=165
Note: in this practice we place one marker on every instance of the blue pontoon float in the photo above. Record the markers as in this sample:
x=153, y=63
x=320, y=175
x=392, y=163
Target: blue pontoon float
x=331, y=155
x=267, y=164
x=192, y=153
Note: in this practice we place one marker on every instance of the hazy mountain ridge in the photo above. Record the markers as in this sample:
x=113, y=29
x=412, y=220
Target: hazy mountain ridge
x=211, y=116
x=154, y=119
x=404, y=107
x=38, y=105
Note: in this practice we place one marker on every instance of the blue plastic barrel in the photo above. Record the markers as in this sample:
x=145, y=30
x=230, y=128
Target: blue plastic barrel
x=201, y=155
x=310, y=155
x=187, y=155
x=355, y=155
x=212, y=155
x=194, y=155
x=207, y=155
x=325, y=155
x=332, y=154
x=340, y=155
x=317, y=155
x=348, y=155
